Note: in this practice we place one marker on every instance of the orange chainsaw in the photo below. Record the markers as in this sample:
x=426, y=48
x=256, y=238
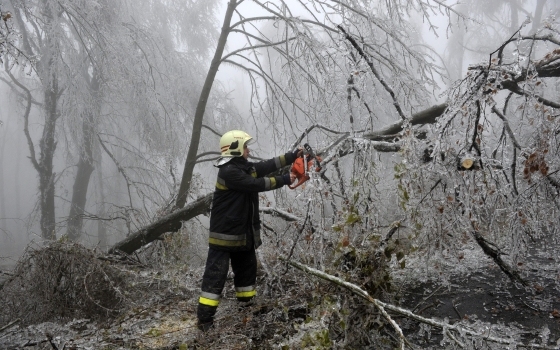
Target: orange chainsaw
x=302, y=165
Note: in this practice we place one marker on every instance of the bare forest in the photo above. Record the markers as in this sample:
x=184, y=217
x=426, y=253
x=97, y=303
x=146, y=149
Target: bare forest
x=433, y=221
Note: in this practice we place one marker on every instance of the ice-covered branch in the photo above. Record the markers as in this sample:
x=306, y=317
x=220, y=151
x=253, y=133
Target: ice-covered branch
x=354, y=289
x=281, y=213
x=506, y=126
x=427, y=116
x=374, y=71
x=514, y=87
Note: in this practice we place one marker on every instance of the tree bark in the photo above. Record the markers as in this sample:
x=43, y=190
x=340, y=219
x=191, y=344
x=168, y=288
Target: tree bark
x=85, y=167
x=168, y=223
x=46, y=175
x=201, y=107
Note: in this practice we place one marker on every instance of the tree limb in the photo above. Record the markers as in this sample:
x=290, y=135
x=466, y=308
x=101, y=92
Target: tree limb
x=506, y=126
x=427, y=116
x=513, y=87
x=119, y=167
x=495, y=254
x=168, y=223
x=32, y=154
x=9, y=324
x=280, y=213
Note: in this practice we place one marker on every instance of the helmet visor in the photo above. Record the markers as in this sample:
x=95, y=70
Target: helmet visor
x=249, y=142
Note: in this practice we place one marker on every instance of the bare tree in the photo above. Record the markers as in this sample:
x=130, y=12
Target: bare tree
x=83, y=72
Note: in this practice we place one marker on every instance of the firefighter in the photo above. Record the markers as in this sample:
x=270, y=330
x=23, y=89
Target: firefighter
x=235, y=223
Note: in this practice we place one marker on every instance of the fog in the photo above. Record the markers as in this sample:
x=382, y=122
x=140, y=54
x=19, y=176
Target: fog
x=145, y=111
x=433, y=219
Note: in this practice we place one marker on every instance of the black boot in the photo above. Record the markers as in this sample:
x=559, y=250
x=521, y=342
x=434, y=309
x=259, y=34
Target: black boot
x=205, y=325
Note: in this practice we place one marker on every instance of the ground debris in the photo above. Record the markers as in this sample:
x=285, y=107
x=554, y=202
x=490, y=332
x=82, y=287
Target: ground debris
x=295, y=311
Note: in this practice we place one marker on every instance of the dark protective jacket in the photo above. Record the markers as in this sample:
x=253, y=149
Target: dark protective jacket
x=234, y=220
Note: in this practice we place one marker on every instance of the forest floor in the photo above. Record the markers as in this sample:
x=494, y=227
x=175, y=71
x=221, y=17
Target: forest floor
x=489, y=296
x=166, y=317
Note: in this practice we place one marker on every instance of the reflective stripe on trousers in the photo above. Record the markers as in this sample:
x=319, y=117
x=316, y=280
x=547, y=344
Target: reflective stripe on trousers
x=245, y=292
x=244, y=266
x=209, y=299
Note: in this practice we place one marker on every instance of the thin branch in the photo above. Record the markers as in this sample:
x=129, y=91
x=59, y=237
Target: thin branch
x=310, y=128
x=268, y=80
x=10, y=324
x=32, y=154
x=280, y=213
x=212, y=130
x=119, y=167
x=374, y=71
x=506, y=126
x=253, y=19
x=254, y=47
x=33, y=101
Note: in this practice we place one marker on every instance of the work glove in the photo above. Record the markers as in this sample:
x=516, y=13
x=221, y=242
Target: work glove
x=297, y=153
x=287, y=179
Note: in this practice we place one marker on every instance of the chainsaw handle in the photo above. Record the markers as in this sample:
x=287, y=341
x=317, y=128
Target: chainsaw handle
x=301, y=182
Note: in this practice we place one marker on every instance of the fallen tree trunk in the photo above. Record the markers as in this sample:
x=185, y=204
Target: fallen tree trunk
x=427, y=116
x=168, y=223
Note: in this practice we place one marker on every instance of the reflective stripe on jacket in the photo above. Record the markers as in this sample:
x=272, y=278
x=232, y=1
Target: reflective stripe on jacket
x=234, y=220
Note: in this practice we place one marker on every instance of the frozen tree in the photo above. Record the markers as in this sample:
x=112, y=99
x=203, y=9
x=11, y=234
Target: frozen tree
x=319, y=65
x=476, y=171
x=103, y=67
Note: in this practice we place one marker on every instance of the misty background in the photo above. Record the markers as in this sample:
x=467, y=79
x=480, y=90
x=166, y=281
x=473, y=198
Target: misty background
x=147, y=130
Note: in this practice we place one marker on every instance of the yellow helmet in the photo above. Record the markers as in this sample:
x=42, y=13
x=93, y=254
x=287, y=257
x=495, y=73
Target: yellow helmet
x=232, y=142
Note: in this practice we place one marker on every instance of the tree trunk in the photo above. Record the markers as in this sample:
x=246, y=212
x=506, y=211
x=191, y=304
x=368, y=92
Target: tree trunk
x=201, y=107
x=101, y=212
x=46, y=174
x=46, y=69
x=85, y=168
x=168, y=223
x=2, y=193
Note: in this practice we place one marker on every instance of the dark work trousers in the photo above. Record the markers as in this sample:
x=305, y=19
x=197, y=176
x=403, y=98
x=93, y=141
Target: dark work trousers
x=244, y=266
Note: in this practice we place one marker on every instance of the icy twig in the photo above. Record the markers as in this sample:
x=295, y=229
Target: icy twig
x=281, y=213
x=9, y=324
x=506, y=126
